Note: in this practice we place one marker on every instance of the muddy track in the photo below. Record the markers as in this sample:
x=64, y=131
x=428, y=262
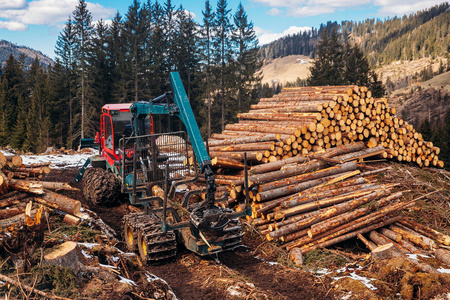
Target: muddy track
x=194, y=277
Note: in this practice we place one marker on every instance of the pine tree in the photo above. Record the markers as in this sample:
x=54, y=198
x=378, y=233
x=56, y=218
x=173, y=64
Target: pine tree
x=5, y=112
x=83, y=32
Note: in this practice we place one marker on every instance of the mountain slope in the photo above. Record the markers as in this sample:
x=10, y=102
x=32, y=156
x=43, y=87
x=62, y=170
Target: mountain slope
x=7, y=48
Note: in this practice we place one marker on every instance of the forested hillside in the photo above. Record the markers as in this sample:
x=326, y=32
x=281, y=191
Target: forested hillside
x=422, y=34
x=130, y=60
x=28, y=54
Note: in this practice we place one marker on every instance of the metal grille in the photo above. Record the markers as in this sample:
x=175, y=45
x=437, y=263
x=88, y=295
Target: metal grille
x=154, y=153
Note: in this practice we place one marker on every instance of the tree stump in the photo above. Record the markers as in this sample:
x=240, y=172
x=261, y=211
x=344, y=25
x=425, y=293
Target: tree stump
x=67, y=255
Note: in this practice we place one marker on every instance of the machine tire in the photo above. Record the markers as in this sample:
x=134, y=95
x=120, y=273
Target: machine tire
x=100, y=186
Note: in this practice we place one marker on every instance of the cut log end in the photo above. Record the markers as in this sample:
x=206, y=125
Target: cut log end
x=386, y=251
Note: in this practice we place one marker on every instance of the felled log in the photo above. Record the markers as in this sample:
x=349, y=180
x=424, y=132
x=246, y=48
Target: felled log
x=326, y=214
x=409, y=236
x=443, y=255
x=26, y=186
x=391, y=234
x=2, y=160
x=34, y=170
x=15, y=160
x=71, y=220
x=296, y=256
x=344, y=237
x=60, y=202
x=369, y=244
x=13, y=210
x=430, y=233
x=224, y=162
x=56, y=186
x=338, y=220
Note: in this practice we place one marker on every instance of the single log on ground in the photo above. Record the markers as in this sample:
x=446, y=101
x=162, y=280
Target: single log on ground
x=379, y=239
x=429, y=232
x=26, y=186
x=417, y=240
x=56, y=186
x=14, y=199
x=369, y=244
x=296, y=256
x=71, y=220
x=443, y=255
x=61, y=202
x=12, y=211
x=391, y=234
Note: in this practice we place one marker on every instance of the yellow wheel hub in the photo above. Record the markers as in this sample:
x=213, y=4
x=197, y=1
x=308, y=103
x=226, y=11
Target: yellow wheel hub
x=144, y=247
x=130, y=237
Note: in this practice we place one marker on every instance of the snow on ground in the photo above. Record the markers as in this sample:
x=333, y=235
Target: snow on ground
x=58, y=161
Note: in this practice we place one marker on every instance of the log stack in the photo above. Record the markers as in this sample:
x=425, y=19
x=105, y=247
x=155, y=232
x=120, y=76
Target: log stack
x=306, y=183
x=299, y=121
x=19, y=186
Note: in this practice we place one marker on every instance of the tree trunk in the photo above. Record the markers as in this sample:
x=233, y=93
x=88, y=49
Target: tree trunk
x=60, y=202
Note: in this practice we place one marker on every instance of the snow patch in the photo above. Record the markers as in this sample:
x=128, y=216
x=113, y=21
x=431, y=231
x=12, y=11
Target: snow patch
x=108, y=266
x=443, y=270
x=87, y=255
x=115, y=258
x=364, y=280
x=89, y=245
x=127, y=281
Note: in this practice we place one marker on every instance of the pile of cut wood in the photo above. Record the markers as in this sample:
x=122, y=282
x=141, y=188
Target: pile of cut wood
x=19, y=186
x=304, y=120
x=308, y=184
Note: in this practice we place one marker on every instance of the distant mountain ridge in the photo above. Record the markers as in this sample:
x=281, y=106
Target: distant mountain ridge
x=7, y=48
x=422, y=34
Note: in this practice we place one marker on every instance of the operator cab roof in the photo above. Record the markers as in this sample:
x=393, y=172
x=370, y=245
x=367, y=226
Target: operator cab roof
x=116, y=106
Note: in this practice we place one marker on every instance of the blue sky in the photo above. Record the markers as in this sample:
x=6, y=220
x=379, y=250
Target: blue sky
x=37, y=23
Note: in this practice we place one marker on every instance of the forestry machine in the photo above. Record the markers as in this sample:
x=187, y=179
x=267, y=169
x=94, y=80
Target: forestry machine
x=149, y=168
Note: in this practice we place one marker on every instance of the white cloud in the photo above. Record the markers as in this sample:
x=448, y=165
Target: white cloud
x=265, y=36
x=274, y=12
x=52, y=12
x=303, y=8
x=7, y=4
x=13, y=26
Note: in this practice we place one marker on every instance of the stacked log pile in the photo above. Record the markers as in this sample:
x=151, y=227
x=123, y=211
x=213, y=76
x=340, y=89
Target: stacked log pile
x=299, y=121
x=307, y=184
x=19, y=186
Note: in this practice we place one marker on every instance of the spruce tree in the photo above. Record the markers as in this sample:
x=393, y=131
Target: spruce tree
x=66, y=59
x=83, y=32
x=247, y=62
x=223, y=54
x=206, y=47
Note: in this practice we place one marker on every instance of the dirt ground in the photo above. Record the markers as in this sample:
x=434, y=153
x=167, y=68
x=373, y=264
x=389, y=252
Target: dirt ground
x=249, y=272
x=261, y=270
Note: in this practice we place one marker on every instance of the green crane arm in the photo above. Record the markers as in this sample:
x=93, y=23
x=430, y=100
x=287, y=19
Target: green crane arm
x=182, y=109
